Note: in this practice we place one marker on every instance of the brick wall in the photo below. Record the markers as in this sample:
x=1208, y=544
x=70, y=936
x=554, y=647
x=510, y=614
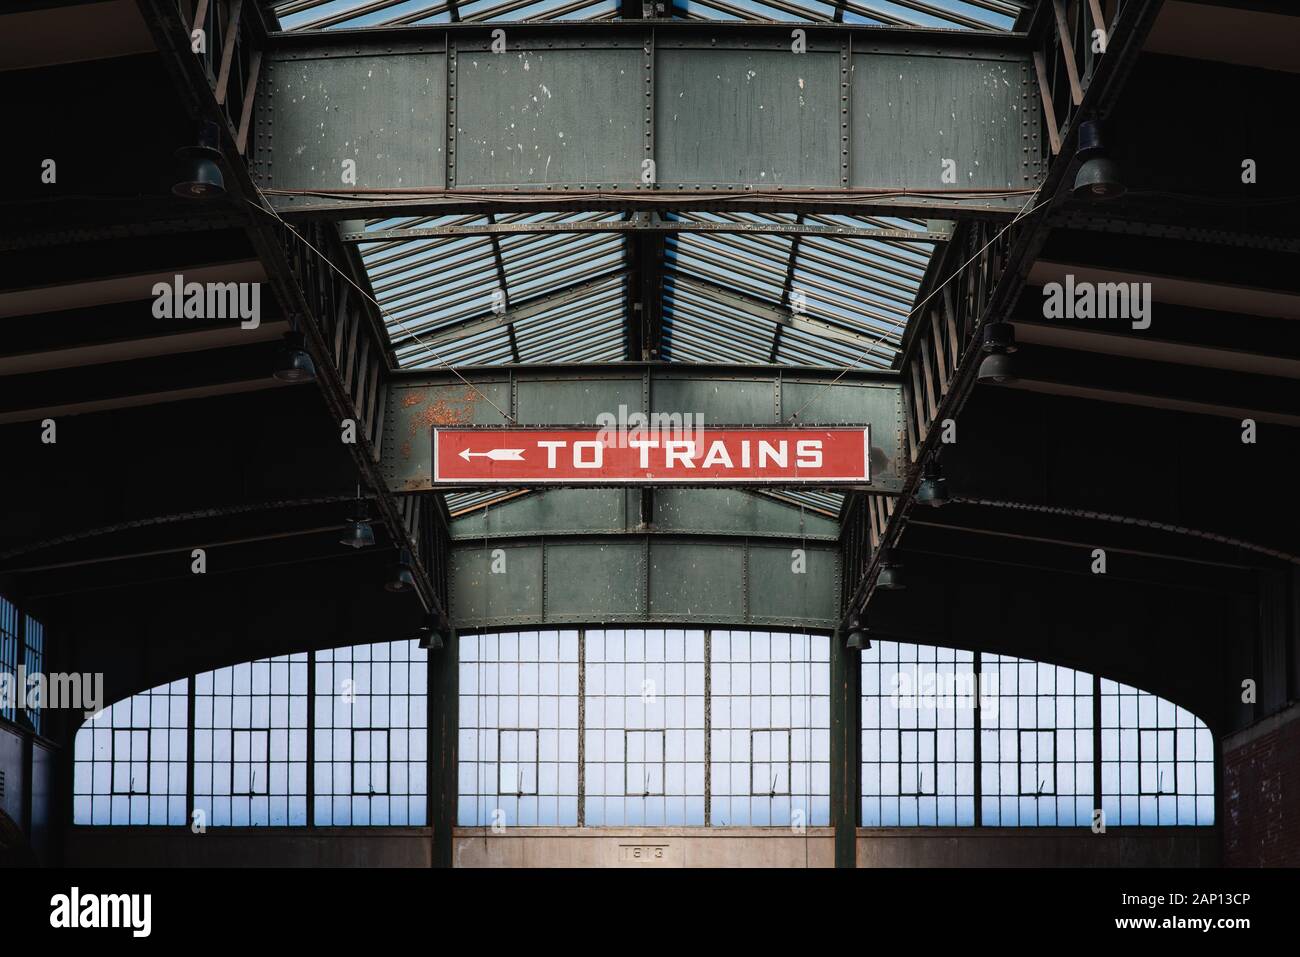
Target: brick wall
x=1261, y=793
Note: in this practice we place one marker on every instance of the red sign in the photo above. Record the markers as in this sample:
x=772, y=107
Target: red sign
x=684, y=457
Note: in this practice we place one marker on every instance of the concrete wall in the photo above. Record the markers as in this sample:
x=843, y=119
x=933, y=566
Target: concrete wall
x=640, y=847
x=1261, y=793
x=876, y=847
x=248, y=847
x=14, y=766
x=1038, y=847
x=27, y=764
x=44, y=760
x=643, y=847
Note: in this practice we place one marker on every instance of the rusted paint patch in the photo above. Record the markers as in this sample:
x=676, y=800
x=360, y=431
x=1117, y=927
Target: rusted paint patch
x=445, y=412
x=413, y=397
x=423, y=414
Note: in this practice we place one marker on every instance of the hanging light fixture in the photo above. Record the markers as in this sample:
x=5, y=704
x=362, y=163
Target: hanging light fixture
x=890, y=577
x=999, y=342
x=857, y=640
x=435, y=632
x=1098, y=177
x=403, y=579
x=933, y=489
x=198, y=174
x=360, y=533
x=292, y=363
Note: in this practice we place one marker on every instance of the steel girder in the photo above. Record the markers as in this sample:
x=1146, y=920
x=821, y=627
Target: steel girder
x=721, y=556
x=631, y=116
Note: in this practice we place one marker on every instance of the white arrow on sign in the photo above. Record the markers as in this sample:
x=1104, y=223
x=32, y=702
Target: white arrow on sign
x=496, y=455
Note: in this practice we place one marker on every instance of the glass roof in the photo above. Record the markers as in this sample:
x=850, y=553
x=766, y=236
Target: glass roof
x=541, y=294
x=958, y=14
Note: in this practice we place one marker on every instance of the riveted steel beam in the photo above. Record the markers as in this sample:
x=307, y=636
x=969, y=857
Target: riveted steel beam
x=647, y=117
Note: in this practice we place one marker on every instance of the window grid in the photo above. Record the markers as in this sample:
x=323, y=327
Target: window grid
x=918, y=762
x=130, y=760
x=9, y=656
x=250, y=768
x=517, y=763
x=250, y=743
x=769, y=750
x=1157, y=760
x=514, y=680
x=918, y=711
x=644, y=727
x=1036, y=703
x=769, y=709
x=369, y=697
x=371, y=767
x=34, y=662
x=644, y=765
x=653, y=711
x=1037, y=754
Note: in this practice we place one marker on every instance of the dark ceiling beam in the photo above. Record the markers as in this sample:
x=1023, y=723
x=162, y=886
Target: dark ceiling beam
x=1197, y=275
x=1157, y=385
x=1178, y=334
x=125, y=350
x=59, y=296
x=76, y=220
x=1131, y=465
x=38, y=33
x=119, y=332
x=102, y=259
x=156, y=464
x=247, y=523
x=1070, y=560
x=1078, y=534
x=1259, y=33
x=165, y=564
x=116, y=385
